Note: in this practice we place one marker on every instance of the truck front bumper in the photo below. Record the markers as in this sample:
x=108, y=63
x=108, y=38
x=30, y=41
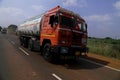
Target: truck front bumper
x=63, y=50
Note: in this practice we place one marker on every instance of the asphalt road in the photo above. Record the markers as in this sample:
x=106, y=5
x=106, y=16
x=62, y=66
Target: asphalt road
x=18, y=63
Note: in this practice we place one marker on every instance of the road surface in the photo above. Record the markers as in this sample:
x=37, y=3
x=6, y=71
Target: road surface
x=18, y=63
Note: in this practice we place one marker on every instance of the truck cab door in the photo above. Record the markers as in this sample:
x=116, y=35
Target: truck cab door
x=53, y=21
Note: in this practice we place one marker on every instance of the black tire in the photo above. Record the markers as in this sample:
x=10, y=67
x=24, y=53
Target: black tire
x=30, y=45
x=25, y=43
x=21, y=43
x=47, y=52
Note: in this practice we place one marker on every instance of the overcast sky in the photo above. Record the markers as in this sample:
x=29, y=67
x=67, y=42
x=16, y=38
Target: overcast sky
x=102, y=16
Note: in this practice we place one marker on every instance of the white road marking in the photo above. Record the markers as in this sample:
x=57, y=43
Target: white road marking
x=57, y=77
x=12, y=42
x=23, y=51
x=100, y=64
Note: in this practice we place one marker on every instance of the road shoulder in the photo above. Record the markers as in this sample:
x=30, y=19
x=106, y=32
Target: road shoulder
x=114, y=63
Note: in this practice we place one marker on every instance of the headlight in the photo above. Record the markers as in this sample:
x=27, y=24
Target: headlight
x=64, y=50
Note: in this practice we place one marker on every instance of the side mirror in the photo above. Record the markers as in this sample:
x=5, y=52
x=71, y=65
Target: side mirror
x=86, y=26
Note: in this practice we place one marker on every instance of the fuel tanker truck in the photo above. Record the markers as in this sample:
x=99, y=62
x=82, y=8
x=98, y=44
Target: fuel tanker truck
x=58, y=33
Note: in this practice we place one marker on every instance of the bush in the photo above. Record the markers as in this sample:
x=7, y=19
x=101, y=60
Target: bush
x=106, y=47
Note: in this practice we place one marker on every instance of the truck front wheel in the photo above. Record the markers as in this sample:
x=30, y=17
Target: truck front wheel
x=47, y=52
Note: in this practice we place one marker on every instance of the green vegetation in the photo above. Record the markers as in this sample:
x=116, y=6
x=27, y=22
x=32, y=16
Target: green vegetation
x=108, y=47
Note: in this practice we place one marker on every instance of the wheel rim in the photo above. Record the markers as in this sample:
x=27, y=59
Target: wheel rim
x=47, y=54
x=30, y=45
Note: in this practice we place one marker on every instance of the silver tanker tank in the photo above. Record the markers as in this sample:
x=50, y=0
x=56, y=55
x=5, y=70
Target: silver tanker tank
x=31, y=26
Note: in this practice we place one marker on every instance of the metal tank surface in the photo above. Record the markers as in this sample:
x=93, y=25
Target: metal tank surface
x=31, y=26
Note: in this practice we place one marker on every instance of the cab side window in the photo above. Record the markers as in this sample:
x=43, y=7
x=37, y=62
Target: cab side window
x=53, y=20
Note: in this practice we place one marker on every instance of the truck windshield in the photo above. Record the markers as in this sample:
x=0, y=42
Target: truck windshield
x=70, y=22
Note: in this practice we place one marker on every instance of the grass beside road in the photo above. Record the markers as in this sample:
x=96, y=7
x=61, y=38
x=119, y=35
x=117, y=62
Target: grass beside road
x=106, y=47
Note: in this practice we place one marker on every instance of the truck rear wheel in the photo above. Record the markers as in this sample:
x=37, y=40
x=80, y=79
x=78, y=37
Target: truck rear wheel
x=24, y=42
x=30, y=45
x=47, y=52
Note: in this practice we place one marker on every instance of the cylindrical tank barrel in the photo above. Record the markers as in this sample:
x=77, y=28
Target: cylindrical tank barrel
x=31, y=26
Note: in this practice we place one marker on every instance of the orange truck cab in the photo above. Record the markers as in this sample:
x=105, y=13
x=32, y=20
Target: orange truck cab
x=61, y=33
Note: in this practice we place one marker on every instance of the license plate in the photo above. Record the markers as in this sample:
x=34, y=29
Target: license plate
x=77, y=53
